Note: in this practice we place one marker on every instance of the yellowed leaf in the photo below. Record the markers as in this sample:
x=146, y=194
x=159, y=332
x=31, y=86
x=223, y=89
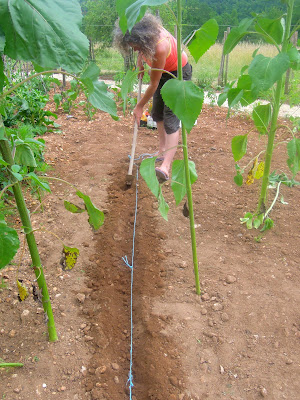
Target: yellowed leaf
x=23, y=293
x=69, y=257
x=260, y=170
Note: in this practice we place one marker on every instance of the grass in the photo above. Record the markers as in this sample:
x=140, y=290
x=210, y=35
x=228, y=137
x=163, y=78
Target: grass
x=207, y=69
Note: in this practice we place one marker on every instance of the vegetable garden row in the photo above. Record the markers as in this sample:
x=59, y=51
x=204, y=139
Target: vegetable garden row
x=24, y=119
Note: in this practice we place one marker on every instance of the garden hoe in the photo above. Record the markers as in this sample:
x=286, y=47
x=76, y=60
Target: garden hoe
x=129, y=178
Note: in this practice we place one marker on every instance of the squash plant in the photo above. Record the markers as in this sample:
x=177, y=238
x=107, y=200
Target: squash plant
x=48, y=34
x=185, y=99
x=264, y=73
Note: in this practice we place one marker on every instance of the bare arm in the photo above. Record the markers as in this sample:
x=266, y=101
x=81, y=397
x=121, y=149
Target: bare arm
x=158, y=63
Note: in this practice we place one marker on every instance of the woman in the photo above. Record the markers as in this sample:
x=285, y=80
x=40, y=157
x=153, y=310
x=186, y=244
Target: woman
x=158, y=48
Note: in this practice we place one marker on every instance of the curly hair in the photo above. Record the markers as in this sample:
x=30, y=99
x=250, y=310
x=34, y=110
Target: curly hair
x=144, y=34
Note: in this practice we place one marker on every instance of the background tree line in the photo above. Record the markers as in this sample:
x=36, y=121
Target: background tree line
x=100, y=15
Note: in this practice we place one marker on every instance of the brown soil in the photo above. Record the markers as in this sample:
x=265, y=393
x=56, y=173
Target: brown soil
x=239, y=340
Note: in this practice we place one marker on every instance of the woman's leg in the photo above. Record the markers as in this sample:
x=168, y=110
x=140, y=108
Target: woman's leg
x=171, y=143
x=161, y=137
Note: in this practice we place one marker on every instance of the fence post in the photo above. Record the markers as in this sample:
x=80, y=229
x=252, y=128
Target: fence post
x=221, y=70
x=226, y=59
x=289, y=72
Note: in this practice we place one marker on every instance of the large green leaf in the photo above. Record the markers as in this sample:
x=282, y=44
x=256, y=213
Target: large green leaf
x=294, y=56
x=121, y=6
x=46, y=32
x=163, y=207
x=73, y=208
x=185, y=99
x=204, y=38
x=178, y=184
x=239, y=146
x=136, y=10
x=147, y=169
x=265, y=71
x=262, y=117
x=101, y=99
x=293, y=148
x=96, y=217
x=245, y=83
x=9, y=243
x=90, y=75
x=271, y=29
x=2, y=41
x=24, y=156
x=127, y=86
x=237, y=34
x=234, y=96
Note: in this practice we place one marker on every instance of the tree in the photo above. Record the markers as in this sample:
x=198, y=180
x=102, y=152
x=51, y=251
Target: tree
x=99, y=21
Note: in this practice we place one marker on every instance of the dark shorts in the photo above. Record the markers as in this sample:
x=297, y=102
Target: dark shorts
x=160, y=112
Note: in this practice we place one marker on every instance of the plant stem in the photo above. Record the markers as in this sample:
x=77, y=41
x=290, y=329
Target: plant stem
x=5, y=365
x=186, y=159
x=262, y=202
x=36, y=261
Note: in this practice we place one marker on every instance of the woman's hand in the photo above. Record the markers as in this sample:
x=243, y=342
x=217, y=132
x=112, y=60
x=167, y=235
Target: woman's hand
x=137, y=113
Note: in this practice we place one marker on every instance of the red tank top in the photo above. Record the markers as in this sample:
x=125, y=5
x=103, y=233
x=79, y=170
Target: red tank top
x=171, y=61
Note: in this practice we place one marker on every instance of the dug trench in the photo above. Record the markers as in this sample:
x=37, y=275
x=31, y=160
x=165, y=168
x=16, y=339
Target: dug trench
x=157, y=372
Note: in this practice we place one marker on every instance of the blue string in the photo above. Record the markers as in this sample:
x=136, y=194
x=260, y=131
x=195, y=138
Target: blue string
x=130, y=377
x=143, y=156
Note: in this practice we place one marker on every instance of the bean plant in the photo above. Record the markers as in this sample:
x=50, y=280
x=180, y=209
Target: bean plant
x=23, y=28
x=185, y=99
x=263, y=74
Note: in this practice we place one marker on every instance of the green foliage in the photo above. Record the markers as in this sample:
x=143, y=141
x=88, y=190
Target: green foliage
x=98, y=21
x=66, y=47
x=185, y=99
x=9, y=243
x=204, y=38
x=262, y=117
x=264, y=73
x=293, y=149
x=239, y=146
x=178, y=183
x=27, y=105
x=96, y=217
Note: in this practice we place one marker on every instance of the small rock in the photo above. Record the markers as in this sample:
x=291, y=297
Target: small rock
x=173, y=380
x=88, y=338
x=17, y=390
x=100, y=370
x=222, y=370
x=24, y=315
x=116, y=380
x=115, y=366
x=224, y=317
x=230, y=279
x=217, y=307
x=263, y=392
x=80, y=297
x=205, y=297
x=204, y=311
x=63, y=389
x=289, y=361
x=117, y=238
x=12, y=333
